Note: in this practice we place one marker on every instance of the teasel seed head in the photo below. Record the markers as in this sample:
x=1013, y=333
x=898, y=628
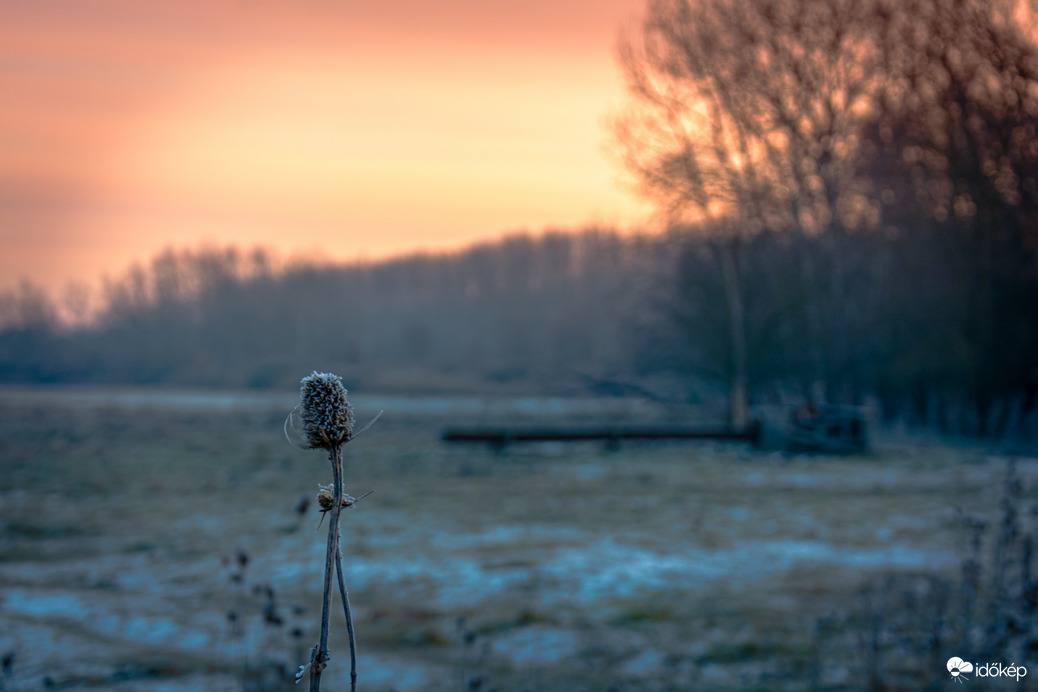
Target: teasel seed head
x=326, y=412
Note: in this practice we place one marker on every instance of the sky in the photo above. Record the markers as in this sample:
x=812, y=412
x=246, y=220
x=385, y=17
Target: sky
x=347, y=129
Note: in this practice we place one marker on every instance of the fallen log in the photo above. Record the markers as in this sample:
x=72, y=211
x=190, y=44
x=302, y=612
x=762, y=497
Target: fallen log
x=505, y=436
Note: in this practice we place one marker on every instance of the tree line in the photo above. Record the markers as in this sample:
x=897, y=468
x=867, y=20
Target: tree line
x=594, y=312
x=523, y=311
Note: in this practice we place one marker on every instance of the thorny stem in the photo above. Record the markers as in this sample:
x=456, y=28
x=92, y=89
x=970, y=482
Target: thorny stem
x=349, y=622
x=321, y=657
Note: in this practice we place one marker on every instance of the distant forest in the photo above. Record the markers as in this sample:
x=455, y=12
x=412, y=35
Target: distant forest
x=594, y=312
x=522, y=314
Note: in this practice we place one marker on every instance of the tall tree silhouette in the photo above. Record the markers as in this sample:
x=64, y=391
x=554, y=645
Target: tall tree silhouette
x=955, y=149
x=745, y=116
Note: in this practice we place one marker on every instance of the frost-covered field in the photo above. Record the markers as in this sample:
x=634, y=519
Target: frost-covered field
x=152, y=541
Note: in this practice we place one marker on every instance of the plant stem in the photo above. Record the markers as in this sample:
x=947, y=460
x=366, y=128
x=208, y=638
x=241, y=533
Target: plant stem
x=321, y=659
x=349, y=622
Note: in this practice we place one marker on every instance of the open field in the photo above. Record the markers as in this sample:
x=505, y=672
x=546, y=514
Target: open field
x=155, y=542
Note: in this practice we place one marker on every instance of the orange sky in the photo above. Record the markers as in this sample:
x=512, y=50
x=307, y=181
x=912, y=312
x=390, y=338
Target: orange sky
x=353, y=128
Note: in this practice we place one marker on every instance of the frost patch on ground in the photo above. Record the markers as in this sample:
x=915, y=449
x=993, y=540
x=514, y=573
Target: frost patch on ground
x=608, y=569
x=644, y=665
x=461, y=570
x=43, y=604
x=108, y=616
x=537, y=644
x=387, y=673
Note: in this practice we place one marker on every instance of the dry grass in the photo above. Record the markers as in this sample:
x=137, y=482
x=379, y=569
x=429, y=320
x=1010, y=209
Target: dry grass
x=547, y=567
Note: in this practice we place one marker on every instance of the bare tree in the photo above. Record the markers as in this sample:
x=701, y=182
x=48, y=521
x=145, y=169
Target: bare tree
x=744, y=117
x=27, y=308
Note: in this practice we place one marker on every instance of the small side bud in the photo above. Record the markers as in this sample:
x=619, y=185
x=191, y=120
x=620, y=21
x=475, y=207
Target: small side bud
x=326, y=497
x=326, y=412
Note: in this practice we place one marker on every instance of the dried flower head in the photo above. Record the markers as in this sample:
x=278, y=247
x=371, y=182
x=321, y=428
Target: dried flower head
x=326, y=413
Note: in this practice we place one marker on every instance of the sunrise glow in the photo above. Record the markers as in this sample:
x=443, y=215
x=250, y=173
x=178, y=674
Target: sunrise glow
x=348, y=132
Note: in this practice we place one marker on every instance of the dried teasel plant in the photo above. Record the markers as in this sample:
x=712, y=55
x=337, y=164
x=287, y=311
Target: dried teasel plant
x=326, y=419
